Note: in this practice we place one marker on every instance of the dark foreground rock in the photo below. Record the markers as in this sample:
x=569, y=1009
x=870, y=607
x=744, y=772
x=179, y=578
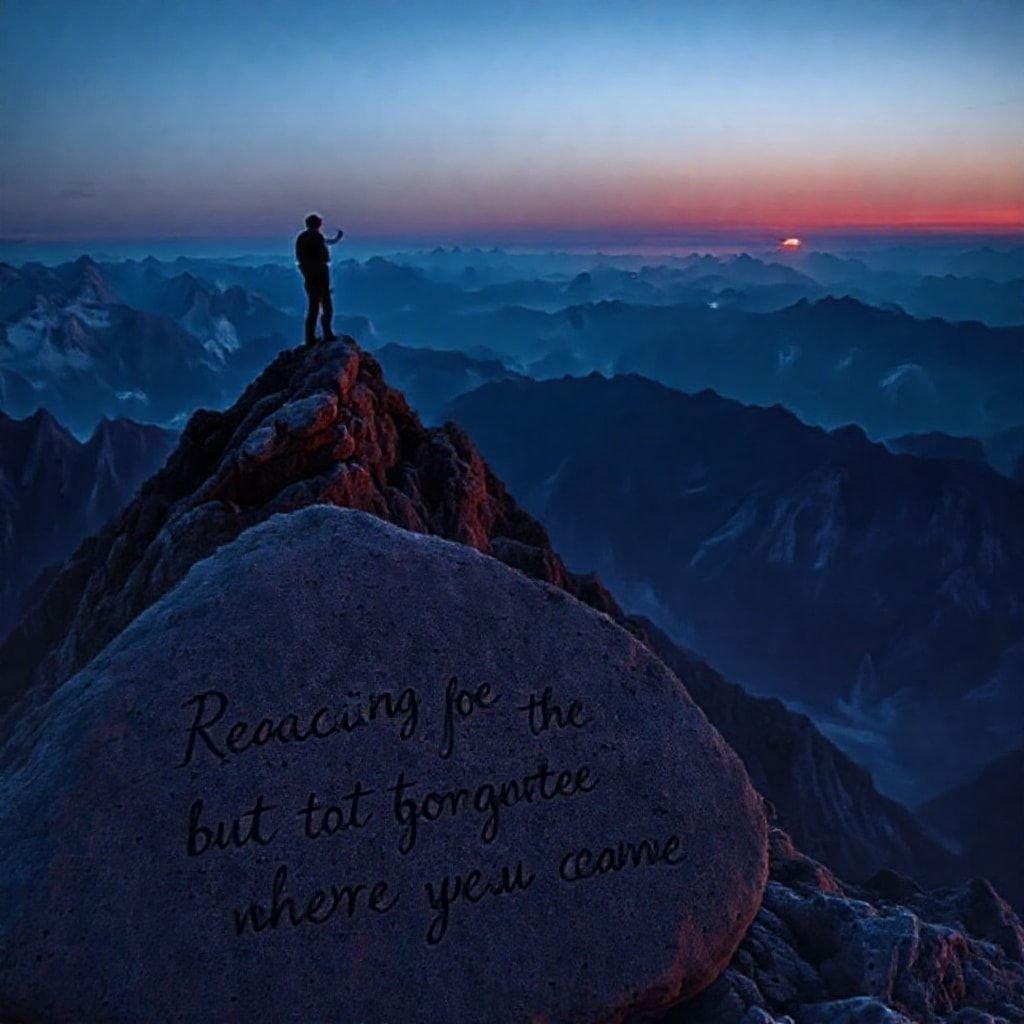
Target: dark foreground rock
x=332, y=702
x=824, y=952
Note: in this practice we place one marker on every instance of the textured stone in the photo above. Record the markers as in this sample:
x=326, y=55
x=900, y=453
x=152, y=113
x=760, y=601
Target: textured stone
x=104, y=914
x=308, y=416
x=858, y=1010
x=823, y=952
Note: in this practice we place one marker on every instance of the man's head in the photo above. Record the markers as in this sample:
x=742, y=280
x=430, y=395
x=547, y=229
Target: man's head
x=313, y=221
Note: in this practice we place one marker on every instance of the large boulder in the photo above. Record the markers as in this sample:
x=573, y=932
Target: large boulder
x=343, y=772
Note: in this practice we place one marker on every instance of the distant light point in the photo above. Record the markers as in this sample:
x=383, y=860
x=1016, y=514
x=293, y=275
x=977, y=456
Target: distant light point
x=790, y=243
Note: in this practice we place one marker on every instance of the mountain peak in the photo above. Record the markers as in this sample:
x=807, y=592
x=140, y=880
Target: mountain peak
x=319, y=425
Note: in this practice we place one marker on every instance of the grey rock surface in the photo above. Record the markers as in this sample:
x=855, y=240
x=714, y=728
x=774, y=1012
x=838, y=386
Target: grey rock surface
x=822, y=951
x=297, y=890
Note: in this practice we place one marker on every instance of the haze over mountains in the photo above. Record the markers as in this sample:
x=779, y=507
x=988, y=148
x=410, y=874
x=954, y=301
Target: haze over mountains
x=153, y=340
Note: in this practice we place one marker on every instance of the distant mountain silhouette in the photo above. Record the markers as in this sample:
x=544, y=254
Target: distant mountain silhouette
x=807, y=333
x=832, y=361
x=966, y=293
x=55, y=491
x=838, y=360
x=937, y=445
x=1003, y=451
x=140, y=283
x=880, y=592
x=378, y=285
x=1003, y=264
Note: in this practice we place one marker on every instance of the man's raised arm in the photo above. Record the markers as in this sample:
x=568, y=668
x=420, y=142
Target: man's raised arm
x=336, y=238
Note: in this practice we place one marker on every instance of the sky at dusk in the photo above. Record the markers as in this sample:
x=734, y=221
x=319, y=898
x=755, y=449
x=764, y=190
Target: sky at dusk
x=143, y=119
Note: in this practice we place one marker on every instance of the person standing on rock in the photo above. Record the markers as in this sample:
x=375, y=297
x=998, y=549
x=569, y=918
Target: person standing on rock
x=313, y=257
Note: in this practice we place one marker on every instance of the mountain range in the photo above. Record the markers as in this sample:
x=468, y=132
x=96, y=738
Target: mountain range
x=155, y=339
x=431, y=378
x=832, y=362
x=879, y=592
x=56, y=490
x=1004, y=451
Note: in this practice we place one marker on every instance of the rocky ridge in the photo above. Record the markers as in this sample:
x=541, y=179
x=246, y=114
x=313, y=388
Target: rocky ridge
x=317, y=426
x=824, y=952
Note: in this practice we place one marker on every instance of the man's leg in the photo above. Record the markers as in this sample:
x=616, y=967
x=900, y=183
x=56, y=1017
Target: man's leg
x=312, y=306
x=326, y=310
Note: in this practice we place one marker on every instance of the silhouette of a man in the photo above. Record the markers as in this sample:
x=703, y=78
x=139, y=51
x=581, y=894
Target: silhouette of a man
x=313, y=257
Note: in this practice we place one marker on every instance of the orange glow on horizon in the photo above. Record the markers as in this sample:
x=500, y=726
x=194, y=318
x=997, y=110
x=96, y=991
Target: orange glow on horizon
x=790, y=243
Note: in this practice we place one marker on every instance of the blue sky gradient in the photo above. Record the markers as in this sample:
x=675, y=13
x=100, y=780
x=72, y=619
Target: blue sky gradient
x=461, y=120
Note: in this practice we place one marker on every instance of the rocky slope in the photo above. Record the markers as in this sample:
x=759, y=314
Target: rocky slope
x=318, y=425
x=56, y=490
x=824, y=952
